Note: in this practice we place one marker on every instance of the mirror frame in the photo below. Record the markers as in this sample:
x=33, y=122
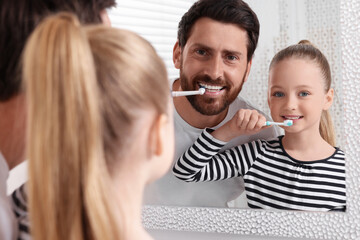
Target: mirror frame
x=314, y=225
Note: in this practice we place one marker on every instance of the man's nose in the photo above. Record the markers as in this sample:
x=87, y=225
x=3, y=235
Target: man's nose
x=215, y=67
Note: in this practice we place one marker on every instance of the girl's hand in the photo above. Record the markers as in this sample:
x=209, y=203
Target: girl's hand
x=244, y=122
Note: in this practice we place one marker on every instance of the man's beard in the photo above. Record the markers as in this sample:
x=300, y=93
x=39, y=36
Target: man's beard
x=208, y=105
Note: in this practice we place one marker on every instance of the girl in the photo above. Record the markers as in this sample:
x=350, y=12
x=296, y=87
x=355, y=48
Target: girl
x=301, y=170
x=96, y=134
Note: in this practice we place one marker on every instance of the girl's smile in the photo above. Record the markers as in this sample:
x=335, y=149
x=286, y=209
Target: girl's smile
x=294, y=118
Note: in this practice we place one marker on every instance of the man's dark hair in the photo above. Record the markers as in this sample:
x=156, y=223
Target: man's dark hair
x=17, y=21
x=226, y=11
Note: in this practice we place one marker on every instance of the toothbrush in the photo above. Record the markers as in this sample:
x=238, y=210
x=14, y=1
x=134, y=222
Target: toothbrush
x=201, y=91
x=286, y=123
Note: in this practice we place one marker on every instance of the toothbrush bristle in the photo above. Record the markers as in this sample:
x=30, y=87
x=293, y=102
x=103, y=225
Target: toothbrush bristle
x=202, y=91
x=288, y=123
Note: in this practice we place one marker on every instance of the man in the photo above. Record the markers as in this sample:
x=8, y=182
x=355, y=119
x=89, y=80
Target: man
x=17, y=21
x=216, y=42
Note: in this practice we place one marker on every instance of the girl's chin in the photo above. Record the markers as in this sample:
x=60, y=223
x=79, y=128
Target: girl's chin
x=292, y=132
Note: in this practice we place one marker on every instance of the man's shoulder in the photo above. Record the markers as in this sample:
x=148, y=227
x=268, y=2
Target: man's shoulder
x=241, y=103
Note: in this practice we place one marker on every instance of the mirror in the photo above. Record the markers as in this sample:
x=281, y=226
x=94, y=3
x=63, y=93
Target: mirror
x=337, y=36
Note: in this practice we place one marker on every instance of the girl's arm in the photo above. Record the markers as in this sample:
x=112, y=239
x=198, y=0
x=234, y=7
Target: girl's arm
x=203, y=162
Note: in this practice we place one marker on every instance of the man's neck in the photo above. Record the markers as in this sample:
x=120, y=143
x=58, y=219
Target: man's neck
x=190, y=115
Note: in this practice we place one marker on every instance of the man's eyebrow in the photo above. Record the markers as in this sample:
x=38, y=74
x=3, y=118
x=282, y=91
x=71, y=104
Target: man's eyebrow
x=233, y=52
x=205, y=47
x=200, y=45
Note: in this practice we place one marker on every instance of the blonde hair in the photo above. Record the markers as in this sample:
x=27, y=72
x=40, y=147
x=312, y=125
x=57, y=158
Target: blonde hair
x=84, y=86
x=306, y=50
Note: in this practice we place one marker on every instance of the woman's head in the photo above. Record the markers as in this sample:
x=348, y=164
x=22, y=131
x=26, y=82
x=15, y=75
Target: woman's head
x=98, y=101
x=300, y=77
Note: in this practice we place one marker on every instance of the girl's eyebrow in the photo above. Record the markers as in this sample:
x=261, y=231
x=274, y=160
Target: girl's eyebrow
x=304, y=86
x=300, y=86
x=275, y=86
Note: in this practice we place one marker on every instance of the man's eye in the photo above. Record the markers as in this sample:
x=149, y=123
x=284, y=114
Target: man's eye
x=278, y=94
x=303, y=94
x=201, y=52
x=231, y=57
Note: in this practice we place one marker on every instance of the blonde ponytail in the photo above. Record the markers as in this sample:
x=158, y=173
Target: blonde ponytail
x=68, y=177
x=327, y=128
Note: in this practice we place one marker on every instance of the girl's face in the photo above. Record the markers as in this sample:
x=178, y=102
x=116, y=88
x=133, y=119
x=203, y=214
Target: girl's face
x=297, y=92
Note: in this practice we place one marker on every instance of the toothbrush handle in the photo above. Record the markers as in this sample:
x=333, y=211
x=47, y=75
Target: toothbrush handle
x=184, y=93
x=269, y=123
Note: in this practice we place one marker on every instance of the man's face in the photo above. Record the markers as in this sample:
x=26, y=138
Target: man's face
x=214, y=57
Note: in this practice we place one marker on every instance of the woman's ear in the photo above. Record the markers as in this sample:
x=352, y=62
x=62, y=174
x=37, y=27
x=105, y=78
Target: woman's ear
x=177, y=55
x=329, y=97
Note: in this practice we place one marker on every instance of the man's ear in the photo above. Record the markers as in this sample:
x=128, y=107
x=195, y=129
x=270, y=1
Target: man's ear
x=105, y=18
x=157, y=136
x=177, y=55
x=248, y=67
x=329, y=97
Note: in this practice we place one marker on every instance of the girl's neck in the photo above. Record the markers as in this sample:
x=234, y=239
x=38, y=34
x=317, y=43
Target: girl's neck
x=307, y=146
x=130, y=198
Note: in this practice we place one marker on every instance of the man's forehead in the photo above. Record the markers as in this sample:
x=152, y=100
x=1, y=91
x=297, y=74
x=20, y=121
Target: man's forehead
x=204, y=23
x=211, y=34
x=205, y=26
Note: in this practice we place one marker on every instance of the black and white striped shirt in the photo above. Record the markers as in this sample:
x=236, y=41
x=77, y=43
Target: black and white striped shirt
x=19, y=203
x=273, y=179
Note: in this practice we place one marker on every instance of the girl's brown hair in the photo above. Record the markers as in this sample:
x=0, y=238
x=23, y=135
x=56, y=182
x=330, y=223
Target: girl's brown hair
x=306, y=50
x=85, y=88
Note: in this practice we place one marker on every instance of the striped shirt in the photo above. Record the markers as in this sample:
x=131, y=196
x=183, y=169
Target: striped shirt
x=273, y=179
x=19, y=203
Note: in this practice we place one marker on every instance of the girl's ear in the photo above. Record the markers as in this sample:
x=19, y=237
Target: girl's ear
x=329, y=97
x=177, y=55
x=159, y=159
x=157, y=138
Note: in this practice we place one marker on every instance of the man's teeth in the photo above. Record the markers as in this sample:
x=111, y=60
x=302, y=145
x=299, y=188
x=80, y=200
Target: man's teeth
x=211, y=87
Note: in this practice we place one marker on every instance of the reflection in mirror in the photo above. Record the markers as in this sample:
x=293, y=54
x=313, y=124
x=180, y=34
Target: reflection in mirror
x=291, y=21
x=282, y=22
